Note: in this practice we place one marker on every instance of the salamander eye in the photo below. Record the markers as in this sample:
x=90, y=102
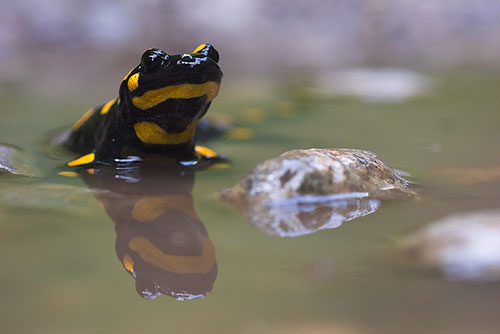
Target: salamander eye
x=153, y=59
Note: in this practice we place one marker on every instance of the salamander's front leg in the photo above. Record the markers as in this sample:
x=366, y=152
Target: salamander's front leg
x=210, y=159
x=204, y=152
x=87, y=159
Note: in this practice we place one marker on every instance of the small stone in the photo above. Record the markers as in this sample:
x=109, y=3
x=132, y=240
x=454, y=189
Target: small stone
x=383, y=85
x=15, y=161
x=463, y=247
x=303, y=191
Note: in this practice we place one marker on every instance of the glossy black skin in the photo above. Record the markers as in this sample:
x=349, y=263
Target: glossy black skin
x=112, y=136
x=119, y=189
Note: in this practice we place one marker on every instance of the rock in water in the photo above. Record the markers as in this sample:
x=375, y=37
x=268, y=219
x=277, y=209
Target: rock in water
x=320, y=172
x=464, y=247
x=15, y=161
x=303, y=191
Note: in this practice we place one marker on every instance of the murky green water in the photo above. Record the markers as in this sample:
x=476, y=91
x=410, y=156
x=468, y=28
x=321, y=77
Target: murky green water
x=61, y=273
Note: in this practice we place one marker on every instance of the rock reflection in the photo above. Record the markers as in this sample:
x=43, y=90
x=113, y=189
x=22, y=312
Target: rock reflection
x=293, y=218
x=160, y=240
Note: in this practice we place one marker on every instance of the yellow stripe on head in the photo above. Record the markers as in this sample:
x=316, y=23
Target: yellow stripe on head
x=199, y=48
x=83, y=119
x=125, y=78
x=183, y=91
x=86, y=159
x=107, y=106
x=151, y=133
x=133, y=82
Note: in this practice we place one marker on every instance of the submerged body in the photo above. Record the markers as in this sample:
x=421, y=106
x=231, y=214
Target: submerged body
x=159, y=106
x=160, y=239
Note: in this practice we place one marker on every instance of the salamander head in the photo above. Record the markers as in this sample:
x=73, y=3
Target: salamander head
x=165, y=95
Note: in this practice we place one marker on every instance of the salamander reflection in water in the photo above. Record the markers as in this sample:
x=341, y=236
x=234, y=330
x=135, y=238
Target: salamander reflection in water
x=160, y=103
x=160, y=240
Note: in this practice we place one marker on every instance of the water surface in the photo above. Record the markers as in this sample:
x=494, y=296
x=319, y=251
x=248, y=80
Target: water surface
x=61, y=272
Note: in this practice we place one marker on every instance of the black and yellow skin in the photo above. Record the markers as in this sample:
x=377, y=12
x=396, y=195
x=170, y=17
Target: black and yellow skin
x=160, y=240
x=160, y=104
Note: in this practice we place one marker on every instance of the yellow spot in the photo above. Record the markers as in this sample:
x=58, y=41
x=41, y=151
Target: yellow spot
x=83, y=119
x=151, y=133
x=175, y=263
x=183, y=91
x=220, y=166
x=254, y=115
x=150, y=208
x=128, y=263
x=106, y=107
x=470, y=175
x=86, y=159
x=205, y=151
x=241, y=133
x=125, y=78
x=199, y=48
x=225, y=117
x=287, y=109
x=69, y=174
x=91, y=171
x=133, y=82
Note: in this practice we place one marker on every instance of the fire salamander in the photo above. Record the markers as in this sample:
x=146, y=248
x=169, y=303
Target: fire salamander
x=160, y=104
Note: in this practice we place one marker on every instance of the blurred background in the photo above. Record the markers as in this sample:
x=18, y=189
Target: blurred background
x=55, y=41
